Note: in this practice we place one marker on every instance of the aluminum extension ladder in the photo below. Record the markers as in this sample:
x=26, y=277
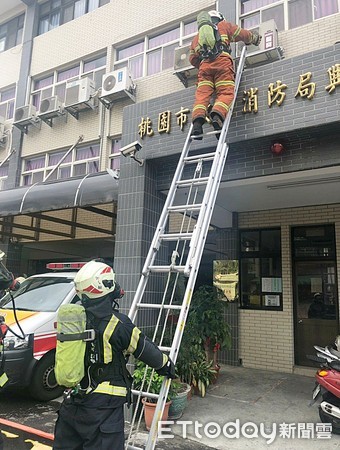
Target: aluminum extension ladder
x=198, y=176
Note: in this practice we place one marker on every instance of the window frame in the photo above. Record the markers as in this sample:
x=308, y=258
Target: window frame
x=285, y=4
x=146, y=51
x=114, y=157
x=260, y=255
x=9, y=103
x=61, y=7
x=55, y=86
x=11, y=32
x=31, y=176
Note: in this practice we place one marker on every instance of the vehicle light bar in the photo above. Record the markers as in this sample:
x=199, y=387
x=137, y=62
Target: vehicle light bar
x=63, y=266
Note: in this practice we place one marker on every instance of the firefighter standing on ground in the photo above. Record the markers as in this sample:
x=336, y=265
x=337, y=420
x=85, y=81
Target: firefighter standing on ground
x=94, y=418
x=216, y=70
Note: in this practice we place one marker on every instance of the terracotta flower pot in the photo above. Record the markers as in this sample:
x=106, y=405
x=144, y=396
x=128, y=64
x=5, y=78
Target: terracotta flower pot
x=149, y=410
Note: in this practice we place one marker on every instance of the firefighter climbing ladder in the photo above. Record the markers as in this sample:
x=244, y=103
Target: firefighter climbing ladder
x=197, y=179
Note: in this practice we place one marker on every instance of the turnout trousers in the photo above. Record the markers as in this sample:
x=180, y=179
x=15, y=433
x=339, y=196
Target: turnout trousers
x=217, y=76
x=95, y=422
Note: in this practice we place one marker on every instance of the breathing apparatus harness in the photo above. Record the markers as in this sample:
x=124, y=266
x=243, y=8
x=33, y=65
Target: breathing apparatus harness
x=96, y=371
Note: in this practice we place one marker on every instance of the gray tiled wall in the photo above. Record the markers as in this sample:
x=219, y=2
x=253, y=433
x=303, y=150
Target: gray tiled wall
x=307, y=128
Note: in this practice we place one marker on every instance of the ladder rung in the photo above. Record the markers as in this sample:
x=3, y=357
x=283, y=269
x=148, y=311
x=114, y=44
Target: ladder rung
x=175, y=236
x=153, y=306
x=183, y=208
x=164, y=349
x=145, y=394
x=166, y=269
x=197, y=136
x=196, y=158
x=193, y=182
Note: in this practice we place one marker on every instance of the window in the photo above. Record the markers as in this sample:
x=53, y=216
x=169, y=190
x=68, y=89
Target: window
x=55, y=83
x=56, y=12
x=81, y=161
x=154, y=53
x=287, y=14
x=11, y=33
x=115, y=154
x=7, y=100
x=314, y=242
x=260, y=269
x=3, y=176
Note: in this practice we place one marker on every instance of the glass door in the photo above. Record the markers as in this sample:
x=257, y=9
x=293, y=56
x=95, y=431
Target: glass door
x=315, y=296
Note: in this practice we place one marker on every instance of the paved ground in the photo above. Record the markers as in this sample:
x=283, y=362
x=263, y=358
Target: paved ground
x=263, y=398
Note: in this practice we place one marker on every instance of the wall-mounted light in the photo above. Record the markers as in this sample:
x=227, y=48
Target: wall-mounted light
x=131, y=150
x=277, y=148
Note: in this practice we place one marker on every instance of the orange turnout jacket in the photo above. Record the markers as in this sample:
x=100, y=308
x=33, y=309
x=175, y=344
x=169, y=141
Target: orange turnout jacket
x=216, y=75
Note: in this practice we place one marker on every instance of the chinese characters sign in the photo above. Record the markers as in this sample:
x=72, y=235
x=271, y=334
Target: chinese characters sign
x=276, y=91
x=164, y=122
x=276, y=95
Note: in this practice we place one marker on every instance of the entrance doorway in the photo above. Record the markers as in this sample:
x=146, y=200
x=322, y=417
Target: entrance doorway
x=315, y=290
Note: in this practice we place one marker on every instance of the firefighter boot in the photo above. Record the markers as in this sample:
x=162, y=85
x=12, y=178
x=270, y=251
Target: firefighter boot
x=197, y=129
x=217, y=123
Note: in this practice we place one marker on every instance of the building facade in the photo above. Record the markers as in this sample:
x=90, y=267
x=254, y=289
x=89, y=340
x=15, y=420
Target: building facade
x=277, y=217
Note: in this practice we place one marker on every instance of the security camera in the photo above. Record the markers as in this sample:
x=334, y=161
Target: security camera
x=131, y=150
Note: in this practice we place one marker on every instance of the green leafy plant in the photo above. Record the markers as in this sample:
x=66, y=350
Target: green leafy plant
x=207, y=323
x=205, y=334
x=203, y=375
x=147, y=380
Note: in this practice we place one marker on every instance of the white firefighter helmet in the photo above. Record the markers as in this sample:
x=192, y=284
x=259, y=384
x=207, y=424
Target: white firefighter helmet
x=94, y=280
x=215, y=16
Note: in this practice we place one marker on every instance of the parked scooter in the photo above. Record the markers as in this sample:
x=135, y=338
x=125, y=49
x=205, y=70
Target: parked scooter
x=327, y=386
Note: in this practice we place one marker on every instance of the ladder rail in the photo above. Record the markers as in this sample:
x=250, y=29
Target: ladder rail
x=222, y=150
x=196, y=247
x=160, y=229
x=218, y=165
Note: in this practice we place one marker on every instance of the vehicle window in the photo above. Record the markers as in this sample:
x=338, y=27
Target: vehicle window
x=39, y=294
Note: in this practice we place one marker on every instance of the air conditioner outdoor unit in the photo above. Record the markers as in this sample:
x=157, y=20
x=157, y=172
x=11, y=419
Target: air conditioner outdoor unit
x=79, y=94
x=25, y=115
x=117, y=84
x=50, y=107
x=182, y=67
x=268, y=50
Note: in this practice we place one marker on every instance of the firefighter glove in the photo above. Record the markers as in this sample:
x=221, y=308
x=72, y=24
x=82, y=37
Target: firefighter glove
x=168, y=370
x=256, y=38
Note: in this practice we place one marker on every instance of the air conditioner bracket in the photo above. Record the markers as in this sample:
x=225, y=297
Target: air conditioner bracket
x=24, y=127
x=108, y=102
x=49, y=120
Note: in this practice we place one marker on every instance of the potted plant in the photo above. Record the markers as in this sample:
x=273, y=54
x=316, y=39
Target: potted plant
x=208, y=326
x=179, y=400
x=146, y=379
x=205, y=334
